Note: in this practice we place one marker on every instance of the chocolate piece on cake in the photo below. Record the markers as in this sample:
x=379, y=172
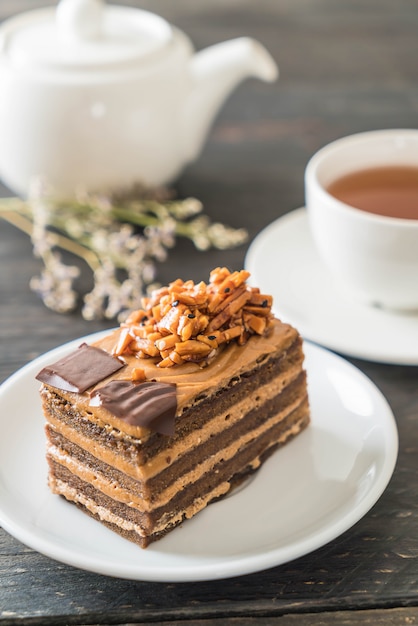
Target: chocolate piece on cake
x=80, y=370
x=212, y=384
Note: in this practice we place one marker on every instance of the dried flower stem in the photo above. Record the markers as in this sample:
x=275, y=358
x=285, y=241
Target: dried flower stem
x=26, y=225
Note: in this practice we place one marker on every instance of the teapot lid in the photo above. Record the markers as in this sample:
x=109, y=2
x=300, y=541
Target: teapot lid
x=84, y=34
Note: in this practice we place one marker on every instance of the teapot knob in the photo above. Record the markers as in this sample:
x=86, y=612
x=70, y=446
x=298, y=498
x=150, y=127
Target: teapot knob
x=80, y=19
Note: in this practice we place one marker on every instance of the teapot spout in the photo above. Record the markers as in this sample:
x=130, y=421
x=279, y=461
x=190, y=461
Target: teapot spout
x=216, y=71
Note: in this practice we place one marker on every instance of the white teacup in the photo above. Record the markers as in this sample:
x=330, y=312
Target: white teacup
x=374, y=258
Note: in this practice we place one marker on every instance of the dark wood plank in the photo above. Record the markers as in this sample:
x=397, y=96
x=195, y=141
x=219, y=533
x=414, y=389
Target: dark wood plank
x=392, y=617
x=385, y=617
x=345, y=67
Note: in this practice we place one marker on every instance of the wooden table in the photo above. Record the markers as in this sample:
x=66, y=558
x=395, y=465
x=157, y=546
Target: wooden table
x=346, y=66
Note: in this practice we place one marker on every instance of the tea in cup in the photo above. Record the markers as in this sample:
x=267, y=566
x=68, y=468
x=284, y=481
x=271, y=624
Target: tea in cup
x=362, y=203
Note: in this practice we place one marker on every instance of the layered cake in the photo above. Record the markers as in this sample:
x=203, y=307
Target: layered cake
x=177, y=406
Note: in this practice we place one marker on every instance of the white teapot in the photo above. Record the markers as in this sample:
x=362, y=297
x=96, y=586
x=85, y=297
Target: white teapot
x=100, y=96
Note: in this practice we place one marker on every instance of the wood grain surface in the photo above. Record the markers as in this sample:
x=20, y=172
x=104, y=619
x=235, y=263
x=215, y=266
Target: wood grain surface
x=346, y=66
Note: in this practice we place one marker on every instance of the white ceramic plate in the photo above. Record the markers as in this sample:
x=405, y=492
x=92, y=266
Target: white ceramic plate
x=283, y=261
x=304, y=496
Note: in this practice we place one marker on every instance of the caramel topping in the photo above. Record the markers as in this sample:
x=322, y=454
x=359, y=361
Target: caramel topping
x=80, y=370
x=190, y=322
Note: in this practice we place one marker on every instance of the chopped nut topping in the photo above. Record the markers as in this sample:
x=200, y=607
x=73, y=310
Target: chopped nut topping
x=190, y=322
x=138, y=375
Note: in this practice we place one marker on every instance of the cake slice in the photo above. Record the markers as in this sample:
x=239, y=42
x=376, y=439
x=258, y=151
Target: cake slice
x=174, y=408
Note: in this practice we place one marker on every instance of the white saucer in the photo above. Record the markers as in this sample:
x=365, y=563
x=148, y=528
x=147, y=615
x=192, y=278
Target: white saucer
x=305, y=495
x=283, y=262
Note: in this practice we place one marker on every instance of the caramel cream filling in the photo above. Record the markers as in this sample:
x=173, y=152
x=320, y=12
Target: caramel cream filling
x=59, y=487
x=168, y=519
x=115, y=491
x=197, y=437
